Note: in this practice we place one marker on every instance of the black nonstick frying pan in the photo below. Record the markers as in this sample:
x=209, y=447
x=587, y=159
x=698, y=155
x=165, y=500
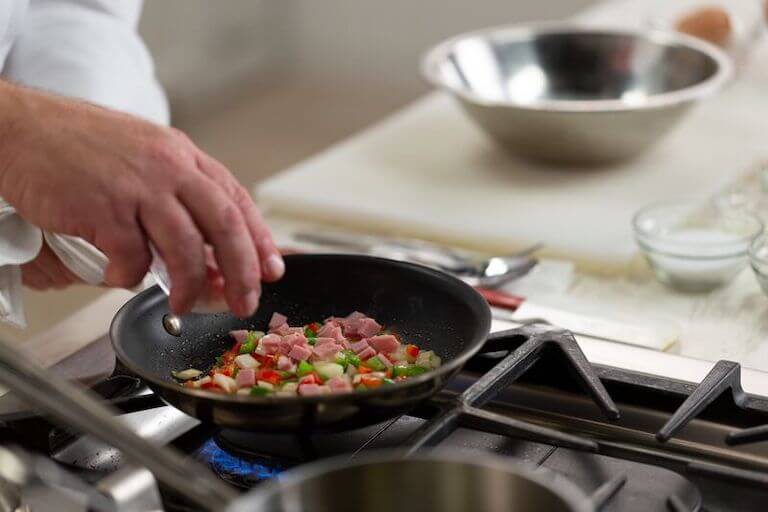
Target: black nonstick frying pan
x=424, y=306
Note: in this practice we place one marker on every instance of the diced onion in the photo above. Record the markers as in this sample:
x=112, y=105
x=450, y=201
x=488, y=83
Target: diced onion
x=290, y=386
x=265, y=385
x=187, y=374
x=244, y=361
x=244, y=391
x=228, y=384
x=329, y=370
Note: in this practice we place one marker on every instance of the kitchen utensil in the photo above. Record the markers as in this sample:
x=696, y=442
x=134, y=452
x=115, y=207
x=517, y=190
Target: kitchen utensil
x=653, y=335
x=429, y=307
x=425, y=306
x=695, y=247
x=571, y=94
x=440, y=481
x=474, y=270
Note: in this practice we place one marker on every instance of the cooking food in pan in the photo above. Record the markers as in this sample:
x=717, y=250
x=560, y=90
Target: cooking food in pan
x=339, y=355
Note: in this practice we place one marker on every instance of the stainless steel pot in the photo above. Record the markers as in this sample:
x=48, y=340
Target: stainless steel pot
x=435, y=482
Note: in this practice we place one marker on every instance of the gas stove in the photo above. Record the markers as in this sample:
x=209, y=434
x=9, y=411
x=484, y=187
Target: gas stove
x=632, y=441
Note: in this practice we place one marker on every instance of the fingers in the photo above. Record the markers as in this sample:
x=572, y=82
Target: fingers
x=180, y=243
x=224, y=227
x=128, y=254
x=272, y=266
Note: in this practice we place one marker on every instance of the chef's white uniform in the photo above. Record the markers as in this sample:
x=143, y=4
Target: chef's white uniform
x=87, y=49
x=83, y=48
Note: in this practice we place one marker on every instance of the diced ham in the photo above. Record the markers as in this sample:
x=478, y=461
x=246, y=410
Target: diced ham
x=295, y=339
x=239, y=335
x=346, y=344
x=339, y=384
x=284, y=364
x=386, y=343
x=384, y=359
x=246, y=378
x=281, y=330
x=310, y=390
x=351, y=323
x=271, y=343
x=355, y=315
x=285, y=346
x=277, y=320
x=300, y=352
x=327, y=351
x=330, y=331
x=367, y=327
x=359, y=346
x=366, y=354
x=322, y=341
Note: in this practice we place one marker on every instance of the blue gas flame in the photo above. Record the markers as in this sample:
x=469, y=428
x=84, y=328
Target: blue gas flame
x=236, y=470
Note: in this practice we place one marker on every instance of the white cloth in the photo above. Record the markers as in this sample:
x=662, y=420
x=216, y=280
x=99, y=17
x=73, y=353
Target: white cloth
x=88, y=49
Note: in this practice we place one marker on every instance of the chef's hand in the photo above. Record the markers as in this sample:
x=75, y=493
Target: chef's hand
x=119, y=183
x=47, y=271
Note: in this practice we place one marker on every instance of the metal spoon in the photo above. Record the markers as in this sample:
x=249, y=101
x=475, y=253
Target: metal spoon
x=477, y=271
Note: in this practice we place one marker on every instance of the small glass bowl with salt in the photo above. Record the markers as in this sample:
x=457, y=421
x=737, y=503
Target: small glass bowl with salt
x=693, y=246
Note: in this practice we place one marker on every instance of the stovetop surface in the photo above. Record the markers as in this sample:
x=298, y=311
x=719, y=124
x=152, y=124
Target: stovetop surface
x=541, y=416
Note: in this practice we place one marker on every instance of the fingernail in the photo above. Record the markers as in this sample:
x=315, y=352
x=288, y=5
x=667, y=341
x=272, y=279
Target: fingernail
x=275, y=265
x=249, y=303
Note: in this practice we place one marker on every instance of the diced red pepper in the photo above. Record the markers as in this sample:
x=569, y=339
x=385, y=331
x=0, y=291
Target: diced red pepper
x=208, y=385
x=310, y=378
x=314, y=327
x=236, y=347
x=270, y=376
x=363, y=369
x=370, y=382
x=412, y=351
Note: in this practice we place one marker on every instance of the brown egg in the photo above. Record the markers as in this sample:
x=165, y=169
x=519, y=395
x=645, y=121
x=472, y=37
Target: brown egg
x=709, y=23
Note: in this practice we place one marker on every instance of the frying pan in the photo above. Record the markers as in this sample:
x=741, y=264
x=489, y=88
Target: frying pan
x=426, y=307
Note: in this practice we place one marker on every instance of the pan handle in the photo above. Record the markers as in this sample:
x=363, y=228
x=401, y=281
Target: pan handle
x=77, y=408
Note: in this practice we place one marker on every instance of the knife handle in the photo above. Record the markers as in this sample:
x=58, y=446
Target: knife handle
x=501, y=299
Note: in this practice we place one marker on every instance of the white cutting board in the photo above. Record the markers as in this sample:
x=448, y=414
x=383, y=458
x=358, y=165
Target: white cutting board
x=428, y=171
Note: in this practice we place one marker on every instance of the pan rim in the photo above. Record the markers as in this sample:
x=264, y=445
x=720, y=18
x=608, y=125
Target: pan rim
x=446, y=369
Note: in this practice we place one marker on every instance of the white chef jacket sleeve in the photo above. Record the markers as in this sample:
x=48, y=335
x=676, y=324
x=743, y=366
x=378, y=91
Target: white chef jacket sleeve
x=88, y=49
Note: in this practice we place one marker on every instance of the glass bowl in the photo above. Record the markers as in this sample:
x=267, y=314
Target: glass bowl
x=695, y=247
x=758, y=257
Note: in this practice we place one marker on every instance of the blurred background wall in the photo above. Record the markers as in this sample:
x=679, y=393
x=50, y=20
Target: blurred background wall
x=263, y=84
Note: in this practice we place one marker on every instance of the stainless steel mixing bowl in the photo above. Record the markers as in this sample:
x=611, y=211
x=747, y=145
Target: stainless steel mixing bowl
x=572, y=94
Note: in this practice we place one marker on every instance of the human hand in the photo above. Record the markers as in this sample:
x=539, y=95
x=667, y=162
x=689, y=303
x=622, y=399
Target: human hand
x=119, y=182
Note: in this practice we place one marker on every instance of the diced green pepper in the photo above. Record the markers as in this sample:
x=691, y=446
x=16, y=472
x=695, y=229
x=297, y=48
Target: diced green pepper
x=351, y=358
x=341, y=358
x=247, y=347
x=387, y=381
x=410, y=370
x=304, y=368
x=259, y=391
x=375, y=364
x=309, y=333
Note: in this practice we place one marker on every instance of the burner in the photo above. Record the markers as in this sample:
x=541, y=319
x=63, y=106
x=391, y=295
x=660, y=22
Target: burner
x=238, y=471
